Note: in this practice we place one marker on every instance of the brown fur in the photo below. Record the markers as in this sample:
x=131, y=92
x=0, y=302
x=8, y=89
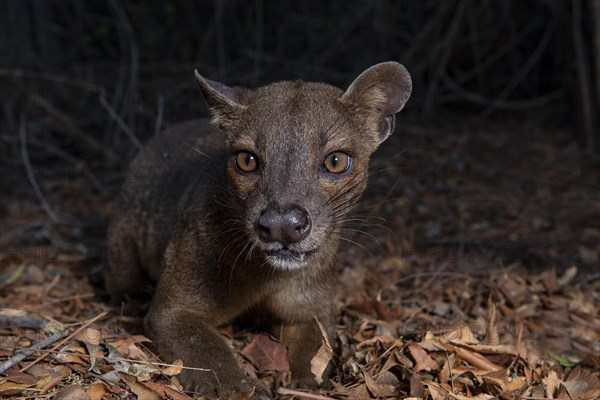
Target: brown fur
x=187, y=218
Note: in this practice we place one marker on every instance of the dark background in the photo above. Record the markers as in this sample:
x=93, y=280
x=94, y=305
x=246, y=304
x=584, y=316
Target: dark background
x=84, y=83
x=535, y=58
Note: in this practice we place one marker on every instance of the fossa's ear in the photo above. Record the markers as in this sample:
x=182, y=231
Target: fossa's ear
x=225, y=102
x=380, y=92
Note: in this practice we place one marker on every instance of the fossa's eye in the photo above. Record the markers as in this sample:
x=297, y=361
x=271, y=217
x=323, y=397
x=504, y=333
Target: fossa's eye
x=337, y=162
x=246, y=161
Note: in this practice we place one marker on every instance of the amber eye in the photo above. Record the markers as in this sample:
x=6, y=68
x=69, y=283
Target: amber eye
x=246, y=161
x=337, y=162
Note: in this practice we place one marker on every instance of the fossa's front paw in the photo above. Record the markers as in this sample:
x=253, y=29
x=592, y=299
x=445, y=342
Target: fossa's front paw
x=246, y=389
x=235, y=387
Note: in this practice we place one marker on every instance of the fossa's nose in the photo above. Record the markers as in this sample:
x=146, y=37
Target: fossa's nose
x=288, y=225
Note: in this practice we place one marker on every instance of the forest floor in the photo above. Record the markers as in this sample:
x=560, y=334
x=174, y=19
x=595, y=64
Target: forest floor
x=475, y=273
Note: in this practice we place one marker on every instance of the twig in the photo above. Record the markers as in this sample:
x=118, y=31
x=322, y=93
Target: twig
x=38, y=324
x=500, y=53
x=425, y=34
x=127, y=82
x=445, y=56
x=57, y=79
x=113, y=359
x=522, y=73
x=32, y=349
x=30, y=173
x=497, y=103
x=340, y=35
x=71, y=252
x=20, y=230
x=220, y=39
x=437, y=274
x=78, y=165
x=583, y=75
x=69, y=337
x=67, y=126
x=114, y=115
x=595, y=4
x=258, y=40
x=291, y=392
x=159, y=115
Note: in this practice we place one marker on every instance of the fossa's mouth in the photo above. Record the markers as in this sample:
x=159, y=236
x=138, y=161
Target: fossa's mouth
x=286, y=258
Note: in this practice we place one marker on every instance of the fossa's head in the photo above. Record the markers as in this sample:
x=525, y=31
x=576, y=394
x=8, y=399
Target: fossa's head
x=299, y=154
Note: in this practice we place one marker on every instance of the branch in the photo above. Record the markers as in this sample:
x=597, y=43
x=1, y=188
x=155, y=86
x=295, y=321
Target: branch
x=584, y=79
x=114, y=115
x=38, y=324
x=31, y=174
x=82, y=327
x=64, y=124
x=23, y=354
x=291, y=392
x=159, y=115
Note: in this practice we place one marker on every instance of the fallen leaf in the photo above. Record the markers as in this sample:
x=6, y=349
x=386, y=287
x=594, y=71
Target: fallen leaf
x=475, y=359
x=417, y=388
x=96, y=391
x=57, y=374
x=142, y=371
x=142, y=391
x=436, y=390
x=562, y=393
x=111, y=377
x=551, y=384
x=481, y=396
x=384, y=340
x=95, y=352
x=549, y=280
x=134, y=352
x=140, y=339
x=567, y=276
x=359, y=392
x=582, y=384
x=423, y=361
x=503, y=380
x=378, y=389
x=73, y=392
x=564, y=361
x=8, y=388
x=128, y=348
x=321, y=360
x=266, y=354
x=589, y=256
x=20, y=377
x=16, y=275
x=65, y=357
x=89, y=335
x=167, y=392
x=173, y=369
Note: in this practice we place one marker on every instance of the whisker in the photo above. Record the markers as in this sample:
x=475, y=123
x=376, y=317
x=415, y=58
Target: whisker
x=362, y=233
x=235, y=242
x=356, y=243
x=235, y=263
x=198, y=151
x=334, y=128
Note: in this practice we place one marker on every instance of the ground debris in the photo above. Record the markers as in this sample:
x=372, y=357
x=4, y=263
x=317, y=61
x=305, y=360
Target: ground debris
x=484, y=286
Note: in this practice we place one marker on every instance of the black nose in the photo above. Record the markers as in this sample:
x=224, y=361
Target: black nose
x=289, y=225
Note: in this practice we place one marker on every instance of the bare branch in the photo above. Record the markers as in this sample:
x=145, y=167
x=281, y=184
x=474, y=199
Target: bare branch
x=31, y=173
